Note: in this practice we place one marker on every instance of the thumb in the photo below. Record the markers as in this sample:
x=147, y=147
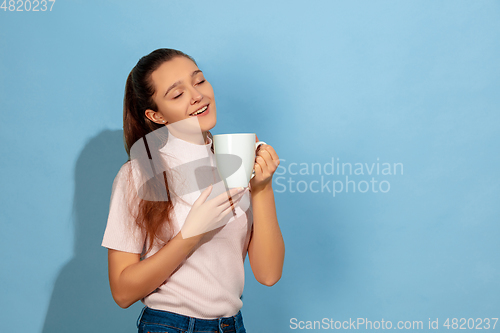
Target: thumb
x=203, y=196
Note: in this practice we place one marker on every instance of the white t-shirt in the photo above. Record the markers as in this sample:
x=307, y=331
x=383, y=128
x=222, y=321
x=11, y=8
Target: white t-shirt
x=208, y=283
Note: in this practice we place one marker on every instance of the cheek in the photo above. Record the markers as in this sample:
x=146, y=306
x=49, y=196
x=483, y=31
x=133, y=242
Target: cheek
x=208, y=90
x=172, y=112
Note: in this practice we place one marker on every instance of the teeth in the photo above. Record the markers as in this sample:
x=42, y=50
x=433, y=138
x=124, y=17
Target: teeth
x=199, y=111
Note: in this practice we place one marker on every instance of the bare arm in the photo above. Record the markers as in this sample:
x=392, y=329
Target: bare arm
x=131, y=279
x=266, y=250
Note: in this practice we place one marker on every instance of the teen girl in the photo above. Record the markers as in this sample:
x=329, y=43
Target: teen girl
x=177, y=250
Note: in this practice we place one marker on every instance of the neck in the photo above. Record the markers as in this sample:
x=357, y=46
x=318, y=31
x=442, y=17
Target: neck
x=191, y=137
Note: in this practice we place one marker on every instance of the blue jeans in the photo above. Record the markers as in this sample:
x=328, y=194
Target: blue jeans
x=157, y=321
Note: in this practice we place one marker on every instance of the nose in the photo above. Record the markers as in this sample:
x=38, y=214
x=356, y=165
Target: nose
x=196, y=96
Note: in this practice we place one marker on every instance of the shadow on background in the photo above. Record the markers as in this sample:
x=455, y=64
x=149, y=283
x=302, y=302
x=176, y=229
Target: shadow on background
x=81, y=300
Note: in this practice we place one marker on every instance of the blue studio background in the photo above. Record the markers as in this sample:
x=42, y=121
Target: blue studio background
x=385, y=115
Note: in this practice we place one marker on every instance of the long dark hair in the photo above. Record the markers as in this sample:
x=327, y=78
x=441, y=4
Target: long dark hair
x=139, y=91
x=152, y=216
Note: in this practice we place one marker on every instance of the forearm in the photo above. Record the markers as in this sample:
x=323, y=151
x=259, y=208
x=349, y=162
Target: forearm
x=266, y=250
x=132, y=282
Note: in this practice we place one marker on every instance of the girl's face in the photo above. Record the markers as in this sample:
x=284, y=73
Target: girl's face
x=181, y=91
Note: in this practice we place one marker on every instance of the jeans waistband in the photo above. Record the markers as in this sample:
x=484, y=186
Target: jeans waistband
x=191, y=324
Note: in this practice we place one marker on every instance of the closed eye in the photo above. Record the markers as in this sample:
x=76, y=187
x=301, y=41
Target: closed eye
x=202, y=81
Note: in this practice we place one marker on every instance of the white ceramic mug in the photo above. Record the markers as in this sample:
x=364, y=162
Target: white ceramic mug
x=235, y=157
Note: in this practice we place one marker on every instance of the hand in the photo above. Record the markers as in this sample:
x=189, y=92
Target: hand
x=208, y=215
x=266, y=163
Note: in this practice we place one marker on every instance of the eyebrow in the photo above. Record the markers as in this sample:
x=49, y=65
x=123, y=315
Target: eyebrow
x=179, y=82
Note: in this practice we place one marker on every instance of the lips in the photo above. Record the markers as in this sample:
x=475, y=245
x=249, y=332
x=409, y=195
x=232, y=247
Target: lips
x=199, y=111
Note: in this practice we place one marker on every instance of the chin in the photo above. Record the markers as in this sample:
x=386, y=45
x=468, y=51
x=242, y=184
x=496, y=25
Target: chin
x=208, y=124
x=207, y=128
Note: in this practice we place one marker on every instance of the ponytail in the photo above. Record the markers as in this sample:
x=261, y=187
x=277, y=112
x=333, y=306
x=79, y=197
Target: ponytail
x=153, y=217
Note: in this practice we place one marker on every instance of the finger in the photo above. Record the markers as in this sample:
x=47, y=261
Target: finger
x=203, y=196
x=273, y=153
x=223, y=210
x=236, y=190
x=271, y=164
x=235, y=198
x=233, y=202
x=269, y=150
x=261, y=162
x=226, y=211
x=257, y=168
x=225, y=196
x=265, y=154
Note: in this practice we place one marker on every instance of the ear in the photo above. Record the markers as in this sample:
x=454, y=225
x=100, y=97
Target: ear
x=155, y=117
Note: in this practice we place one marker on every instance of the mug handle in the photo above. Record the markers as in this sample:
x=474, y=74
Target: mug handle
x=257, y=144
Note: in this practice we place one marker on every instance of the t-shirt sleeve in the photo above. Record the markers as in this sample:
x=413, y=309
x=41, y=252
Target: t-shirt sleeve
x=122, y=232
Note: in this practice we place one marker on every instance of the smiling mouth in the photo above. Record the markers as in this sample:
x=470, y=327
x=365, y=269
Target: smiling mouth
x=200, y=111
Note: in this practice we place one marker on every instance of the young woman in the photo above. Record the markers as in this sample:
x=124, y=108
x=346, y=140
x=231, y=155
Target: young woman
x=180, y=248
